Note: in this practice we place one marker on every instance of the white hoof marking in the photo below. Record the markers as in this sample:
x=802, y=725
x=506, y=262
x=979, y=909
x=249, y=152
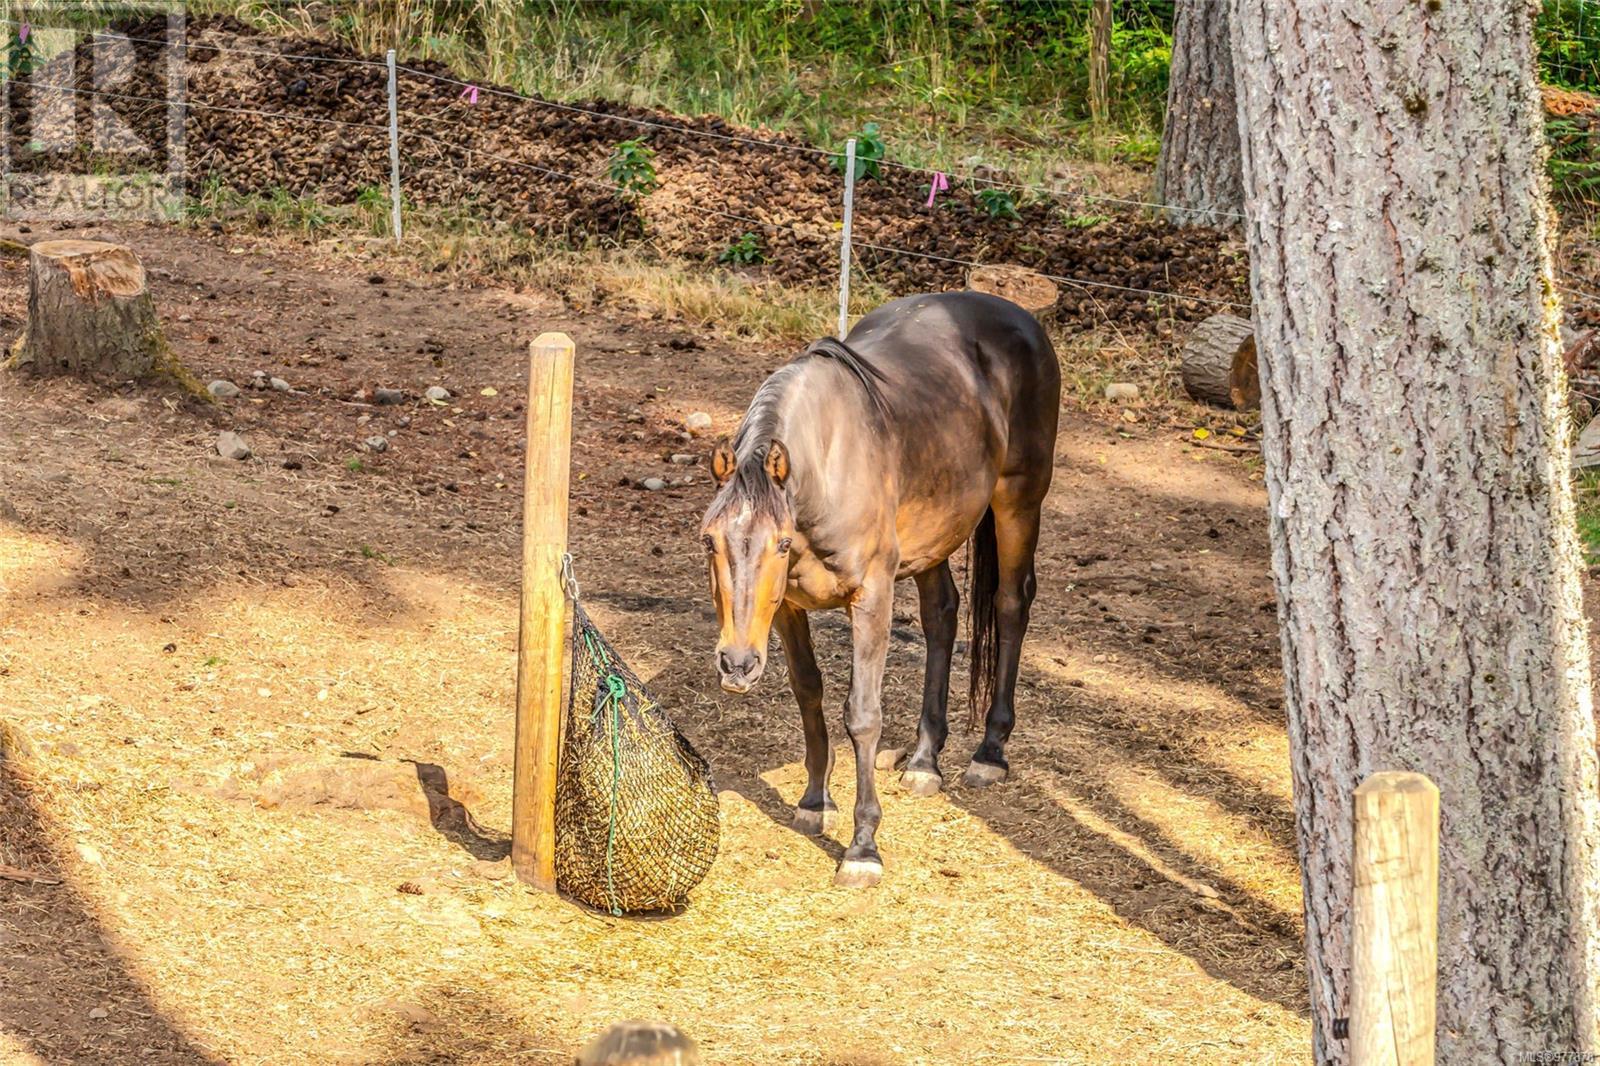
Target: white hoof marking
x=889, y=758
x=983, y=774
x=814, y=823
x=858, y=873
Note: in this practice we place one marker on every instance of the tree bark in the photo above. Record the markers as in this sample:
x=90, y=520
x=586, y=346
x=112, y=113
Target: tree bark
x=1198, y=171
x=1219, y=363
x=1422, y=522
x=1099, y=64
x=89, y=313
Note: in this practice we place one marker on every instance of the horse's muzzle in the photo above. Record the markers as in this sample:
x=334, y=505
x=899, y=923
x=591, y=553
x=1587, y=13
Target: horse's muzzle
x=739, y=670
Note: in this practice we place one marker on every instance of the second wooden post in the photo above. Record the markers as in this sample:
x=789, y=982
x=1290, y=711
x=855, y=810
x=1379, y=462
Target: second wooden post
x=1395, y=954
x=541, y=636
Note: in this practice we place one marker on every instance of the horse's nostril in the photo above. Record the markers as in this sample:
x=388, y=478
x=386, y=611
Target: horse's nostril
x=724, y=662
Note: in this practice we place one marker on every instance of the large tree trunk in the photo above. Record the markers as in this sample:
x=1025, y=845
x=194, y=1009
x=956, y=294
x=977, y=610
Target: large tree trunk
x=89, y=313
x=1198, y=172
x=1422, y=520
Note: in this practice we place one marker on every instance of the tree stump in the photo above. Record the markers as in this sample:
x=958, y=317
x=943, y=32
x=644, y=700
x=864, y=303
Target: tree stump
x=640, y=1044
x=90, y=314
x=1026, y=288
x=1219, y=363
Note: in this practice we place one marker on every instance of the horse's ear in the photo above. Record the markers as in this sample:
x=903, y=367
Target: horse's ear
x=777, y=465
x=723, y=461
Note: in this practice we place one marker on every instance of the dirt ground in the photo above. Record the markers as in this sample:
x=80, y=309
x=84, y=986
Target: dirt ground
x=257, y=767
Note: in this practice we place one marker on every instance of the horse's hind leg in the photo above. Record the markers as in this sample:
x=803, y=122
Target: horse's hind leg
x=936, y=590
x=816, y=812
x=1016, y=520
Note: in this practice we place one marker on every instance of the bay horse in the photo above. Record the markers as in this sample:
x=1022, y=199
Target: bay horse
x=871, y=459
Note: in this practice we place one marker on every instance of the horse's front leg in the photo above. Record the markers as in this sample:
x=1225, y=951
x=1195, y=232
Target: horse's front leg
x=816, y=812
x=870, y=614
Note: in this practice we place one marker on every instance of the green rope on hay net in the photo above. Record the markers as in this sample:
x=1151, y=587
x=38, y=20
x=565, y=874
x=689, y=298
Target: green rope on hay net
x=637, y=823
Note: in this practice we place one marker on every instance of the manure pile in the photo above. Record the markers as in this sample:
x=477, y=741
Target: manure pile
x=332, y=143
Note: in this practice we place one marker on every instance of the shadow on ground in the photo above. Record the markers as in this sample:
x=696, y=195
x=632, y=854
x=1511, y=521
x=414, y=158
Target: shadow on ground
x=56, y=951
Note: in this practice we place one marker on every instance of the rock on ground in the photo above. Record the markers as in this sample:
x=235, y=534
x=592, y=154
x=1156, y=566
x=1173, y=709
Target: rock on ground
x=1122, y=391
x=232, y=446
x=223, y=390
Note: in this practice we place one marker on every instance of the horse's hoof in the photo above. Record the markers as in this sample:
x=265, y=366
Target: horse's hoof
x=921, y=782
x=814, y=823
x=889, y=758
x=858, y=873
x=983, y=774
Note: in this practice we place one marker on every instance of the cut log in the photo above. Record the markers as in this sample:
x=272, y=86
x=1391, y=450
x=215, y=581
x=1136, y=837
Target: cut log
x=1026, y=288
x=89, y=313
x=640, y=1044
x=1219, y=363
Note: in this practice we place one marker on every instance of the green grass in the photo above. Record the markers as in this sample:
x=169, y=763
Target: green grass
x=1586, y=490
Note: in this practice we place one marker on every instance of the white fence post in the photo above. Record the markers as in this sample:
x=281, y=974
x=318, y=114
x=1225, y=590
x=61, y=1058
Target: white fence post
x=394, y=151
x=844, y=241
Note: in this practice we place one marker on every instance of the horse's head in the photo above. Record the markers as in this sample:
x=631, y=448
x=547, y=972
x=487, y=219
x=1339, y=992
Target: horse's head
x=747, y=532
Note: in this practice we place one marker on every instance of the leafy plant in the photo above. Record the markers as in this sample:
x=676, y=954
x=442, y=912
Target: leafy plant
x=869, y=153
x=744, y=251
x=1084, y=221
x=374, y=205
x=633, y=169
x=19, y=56
x=998, y=203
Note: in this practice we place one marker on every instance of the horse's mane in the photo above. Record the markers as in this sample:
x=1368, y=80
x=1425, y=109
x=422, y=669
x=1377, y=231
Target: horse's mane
x=870, y=377
x=750, y=483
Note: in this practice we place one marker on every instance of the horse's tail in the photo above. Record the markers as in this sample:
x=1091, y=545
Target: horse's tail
x=983, y=576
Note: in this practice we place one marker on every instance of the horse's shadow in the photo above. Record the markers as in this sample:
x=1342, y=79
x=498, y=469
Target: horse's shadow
x=1134, y=866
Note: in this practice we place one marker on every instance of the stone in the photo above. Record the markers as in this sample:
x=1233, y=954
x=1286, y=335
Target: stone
x=654, y=484
x=98, y=1014
x=1122, y=392
x=232, y=446
x=697, y=423
x=377, y=444
x=388, y=396
x=685, y=460
x=223, y=390
x=436, y=393
x=280, y=385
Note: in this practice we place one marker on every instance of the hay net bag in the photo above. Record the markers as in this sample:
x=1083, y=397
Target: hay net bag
x=637, y=821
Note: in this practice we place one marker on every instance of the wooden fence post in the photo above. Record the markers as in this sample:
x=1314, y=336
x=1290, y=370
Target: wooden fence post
x=541, y=637
x=1099, y=69
x=1395, y=952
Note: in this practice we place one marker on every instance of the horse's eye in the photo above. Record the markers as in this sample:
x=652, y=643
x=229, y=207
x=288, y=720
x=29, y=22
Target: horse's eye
x=711, y=545
x=783, y=546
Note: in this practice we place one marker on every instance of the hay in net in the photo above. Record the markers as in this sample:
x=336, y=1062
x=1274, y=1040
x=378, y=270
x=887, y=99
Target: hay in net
x=636, y=812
